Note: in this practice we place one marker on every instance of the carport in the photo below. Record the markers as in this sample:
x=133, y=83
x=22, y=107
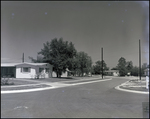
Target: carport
x=8, y=70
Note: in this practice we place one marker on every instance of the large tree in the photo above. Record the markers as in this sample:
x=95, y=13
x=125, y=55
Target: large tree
x=114, y=68
x=84, y=63
x=38, y=60
x=89, y=65
x=135, y=71
x=58, y=53
x=129, y=66
x=74, y=66
x=98, y=67
x=122, y=66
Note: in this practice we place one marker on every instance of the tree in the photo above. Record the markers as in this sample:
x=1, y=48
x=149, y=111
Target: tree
x=38, y=60
x=144, y=66
x=129, y=66
x=85, y=63
x=88, y=68
x=135, y=71
x=98, y=67
x=114, y=68
x=122, y=66
x=74, y=66
x=58, y=53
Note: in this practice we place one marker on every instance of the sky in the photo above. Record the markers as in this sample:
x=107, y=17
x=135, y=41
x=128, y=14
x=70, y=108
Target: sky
x=115, y=26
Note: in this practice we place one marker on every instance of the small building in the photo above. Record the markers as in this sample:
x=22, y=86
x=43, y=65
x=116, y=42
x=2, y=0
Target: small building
x=112, y=73
x=26, y=70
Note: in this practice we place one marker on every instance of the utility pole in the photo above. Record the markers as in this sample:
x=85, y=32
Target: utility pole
x=23, y=57
x=102, y=63
x=139, y=59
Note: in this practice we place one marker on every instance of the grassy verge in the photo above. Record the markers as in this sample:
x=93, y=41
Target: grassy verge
x=6, y=81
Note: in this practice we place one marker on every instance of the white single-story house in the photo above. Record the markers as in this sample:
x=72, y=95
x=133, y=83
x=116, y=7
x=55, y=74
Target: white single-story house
x=26, y=70
x=29, y=70
x=112, y=73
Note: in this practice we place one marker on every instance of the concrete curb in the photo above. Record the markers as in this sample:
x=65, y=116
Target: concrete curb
x=127, y=90
x=53, y=86
x=26, y=90
x=132, y=91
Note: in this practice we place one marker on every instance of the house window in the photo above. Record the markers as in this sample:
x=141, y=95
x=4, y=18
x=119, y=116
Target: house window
x=47, y=70
x=25, y=69
x=41, y=69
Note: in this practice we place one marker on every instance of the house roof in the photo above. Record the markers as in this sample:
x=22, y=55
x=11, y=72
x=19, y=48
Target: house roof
x=36, y=64
x=15, y=64
x=9, y=64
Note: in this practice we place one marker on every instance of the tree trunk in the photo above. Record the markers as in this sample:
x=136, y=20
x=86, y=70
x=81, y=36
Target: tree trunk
x=57, y=75
x=82, y=72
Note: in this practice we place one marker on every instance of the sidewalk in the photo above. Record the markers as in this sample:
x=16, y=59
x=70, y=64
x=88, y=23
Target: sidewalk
x=24, y=84
x=134, y=85
x=29, y=85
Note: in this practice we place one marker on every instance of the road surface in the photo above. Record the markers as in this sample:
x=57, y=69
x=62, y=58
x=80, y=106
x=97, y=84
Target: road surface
x=91, y=100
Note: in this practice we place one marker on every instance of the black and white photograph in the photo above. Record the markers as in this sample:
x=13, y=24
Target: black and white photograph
x=75, y=59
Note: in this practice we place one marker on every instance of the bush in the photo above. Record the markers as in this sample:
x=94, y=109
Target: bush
x=5, y=81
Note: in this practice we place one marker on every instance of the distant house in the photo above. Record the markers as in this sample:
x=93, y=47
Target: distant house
x=112, y=73
x=26, y=70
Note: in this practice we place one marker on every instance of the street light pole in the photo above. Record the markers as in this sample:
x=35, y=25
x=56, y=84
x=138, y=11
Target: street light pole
x=102, y=63
x=139, y=59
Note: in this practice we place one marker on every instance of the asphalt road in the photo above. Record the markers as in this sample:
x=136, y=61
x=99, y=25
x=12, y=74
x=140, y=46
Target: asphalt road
x=93, y=100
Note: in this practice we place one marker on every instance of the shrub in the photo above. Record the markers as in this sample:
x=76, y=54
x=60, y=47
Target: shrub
x=5, y=81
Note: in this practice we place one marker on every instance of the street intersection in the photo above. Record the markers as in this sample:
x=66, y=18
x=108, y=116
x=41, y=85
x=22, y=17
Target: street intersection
x=96, y=98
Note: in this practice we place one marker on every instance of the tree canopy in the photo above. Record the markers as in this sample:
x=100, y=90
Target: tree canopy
x=122, y=66
x=129, y=66
x=38, y=60
x=84, y=63
x=98, y=67
x=58, y=53
x=63, y=55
